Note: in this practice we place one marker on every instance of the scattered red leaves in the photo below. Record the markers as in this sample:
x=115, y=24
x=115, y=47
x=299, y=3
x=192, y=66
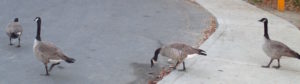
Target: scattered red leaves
x=208, y=31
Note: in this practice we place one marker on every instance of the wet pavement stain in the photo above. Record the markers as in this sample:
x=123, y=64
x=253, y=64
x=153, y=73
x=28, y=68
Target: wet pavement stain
x=144, y=72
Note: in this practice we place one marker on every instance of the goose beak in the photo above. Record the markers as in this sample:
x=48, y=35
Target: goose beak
x=262, y=20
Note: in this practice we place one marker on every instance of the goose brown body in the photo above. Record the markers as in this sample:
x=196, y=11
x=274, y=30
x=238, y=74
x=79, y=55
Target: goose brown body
x=177, y=52
x=276, y=49
x=14, y=30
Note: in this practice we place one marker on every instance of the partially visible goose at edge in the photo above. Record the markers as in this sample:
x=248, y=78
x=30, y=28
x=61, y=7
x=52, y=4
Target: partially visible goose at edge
x=177, y=52
x=275, y=49
x=47, y=52
x=14, y=30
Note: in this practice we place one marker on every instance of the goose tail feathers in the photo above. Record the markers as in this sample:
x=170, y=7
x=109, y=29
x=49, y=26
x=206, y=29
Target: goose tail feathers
x=68, y=59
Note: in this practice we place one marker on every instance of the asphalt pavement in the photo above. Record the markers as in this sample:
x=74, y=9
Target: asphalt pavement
x=111, y=40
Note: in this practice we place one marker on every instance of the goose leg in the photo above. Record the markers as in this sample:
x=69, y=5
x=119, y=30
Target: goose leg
x=175, y=65
x=53, y=66
x=19, y=42
x=183, y=65
x=46, y=67
x=10, y=41
x=268, y=64
x=278, y=66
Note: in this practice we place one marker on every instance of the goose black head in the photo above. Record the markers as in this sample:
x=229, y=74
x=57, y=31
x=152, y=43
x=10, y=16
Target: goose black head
x=37, y=19
x=201, y=52
x=264, y=20
x=16, y=20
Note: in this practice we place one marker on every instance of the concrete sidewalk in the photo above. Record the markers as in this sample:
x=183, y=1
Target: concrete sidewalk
x=235, y=52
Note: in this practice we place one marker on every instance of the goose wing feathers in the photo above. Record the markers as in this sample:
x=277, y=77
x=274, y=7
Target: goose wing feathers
x=186, y=49
x=282, y=49
x=14, y=27
x=50, y=50
x=177, y=51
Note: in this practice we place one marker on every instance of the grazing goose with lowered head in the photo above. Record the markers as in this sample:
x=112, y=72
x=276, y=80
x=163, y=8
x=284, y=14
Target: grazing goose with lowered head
x=14, y=30
x=177, y=52
x=275, y=49
x=47, y=52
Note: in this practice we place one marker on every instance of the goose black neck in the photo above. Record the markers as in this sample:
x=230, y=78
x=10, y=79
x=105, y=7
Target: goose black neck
x=266, y=30
x=157, y=51
x=38, y=34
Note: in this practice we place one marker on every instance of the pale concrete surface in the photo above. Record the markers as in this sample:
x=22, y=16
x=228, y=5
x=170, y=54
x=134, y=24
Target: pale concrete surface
x=111, y=40
x=235, y=52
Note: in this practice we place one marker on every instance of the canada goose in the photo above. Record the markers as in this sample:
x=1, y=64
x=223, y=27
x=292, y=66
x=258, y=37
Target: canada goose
x=14, y=30
x=176, y=51
x=47, y=52
x=275, y=49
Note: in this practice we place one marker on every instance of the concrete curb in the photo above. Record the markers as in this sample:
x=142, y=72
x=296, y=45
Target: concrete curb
x=234, y=50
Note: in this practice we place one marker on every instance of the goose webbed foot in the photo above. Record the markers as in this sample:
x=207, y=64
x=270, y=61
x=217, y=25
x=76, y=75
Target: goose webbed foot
x=18, y=46
x=10, y=44
x=182, y=69
x=276, y=67
x=183, y=65
x=174, y=67
x=265, y=66
x=268, y=66
x=45, y=74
